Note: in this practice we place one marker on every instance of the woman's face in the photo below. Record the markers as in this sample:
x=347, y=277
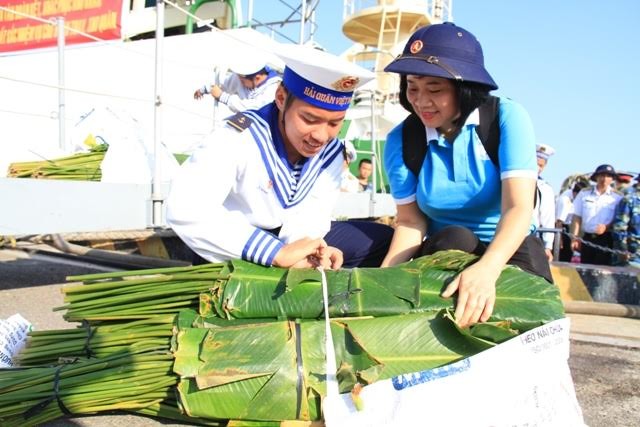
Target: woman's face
x=306, y=129
x=434, y=100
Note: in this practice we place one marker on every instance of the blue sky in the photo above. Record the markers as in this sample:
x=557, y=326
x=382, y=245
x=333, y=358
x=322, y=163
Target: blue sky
x=573, y=64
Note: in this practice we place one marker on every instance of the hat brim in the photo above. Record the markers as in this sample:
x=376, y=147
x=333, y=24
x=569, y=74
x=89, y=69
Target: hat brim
x=595, y=175
x=417, y=66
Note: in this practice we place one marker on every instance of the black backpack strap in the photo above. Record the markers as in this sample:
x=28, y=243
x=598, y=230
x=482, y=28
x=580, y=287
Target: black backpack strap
x=489, y=128
x=414, y=143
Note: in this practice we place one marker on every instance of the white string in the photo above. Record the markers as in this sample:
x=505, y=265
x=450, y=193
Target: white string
x=94, y=93
x=332, y=382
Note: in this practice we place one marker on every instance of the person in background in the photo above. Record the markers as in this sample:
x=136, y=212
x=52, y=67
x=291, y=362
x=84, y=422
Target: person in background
x=263, y=187
x=593, y=212
x=365, y=168
x=544, y=210
x=460, y=199
x=349, y=183
x=626, y=225
x=250, y=85
x=564, y=214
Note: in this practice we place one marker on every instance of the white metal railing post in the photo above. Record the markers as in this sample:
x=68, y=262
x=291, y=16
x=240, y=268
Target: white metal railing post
x=61, y=86
x=250, y=14
x=303, y=12
x=374, y=149
x=156, y=182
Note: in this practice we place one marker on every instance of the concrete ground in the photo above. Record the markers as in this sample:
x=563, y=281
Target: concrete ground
x=604, y=361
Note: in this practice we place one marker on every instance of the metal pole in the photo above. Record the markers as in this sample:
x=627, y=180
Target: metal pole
x=374, y=182
x=156, y=183
x=303, y=12
x=61, y=87
x=250, y=14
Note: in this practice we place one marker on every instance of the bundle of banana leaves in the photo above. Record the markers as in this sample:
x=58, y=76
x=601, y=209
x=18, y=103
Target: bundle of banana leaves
x=254, y=351
x=241, y=290
x=277, y=370
x=81, y=166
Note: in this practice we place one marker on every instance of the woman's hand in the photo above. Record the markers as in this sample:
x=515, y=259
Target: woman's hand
x=476, y=286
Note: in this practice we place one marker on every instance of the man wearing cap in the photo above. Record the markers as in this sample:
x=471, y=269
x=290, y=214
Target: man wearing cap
x=263, y=187
x=250, y=85
x=544, y=210
x=594, y=210
x=626, y=225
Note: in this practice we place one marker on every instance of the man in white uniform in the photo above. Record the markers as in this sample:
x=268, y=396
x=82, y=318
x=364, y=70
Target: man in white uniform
x=544, y=211
x=593, y=213
x=263, y=187
x=250, y=85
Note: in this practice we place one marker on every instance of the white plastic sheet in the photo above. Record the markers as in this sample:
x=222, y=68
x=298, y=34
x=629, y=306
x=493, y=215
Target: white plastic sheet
x=522, y=382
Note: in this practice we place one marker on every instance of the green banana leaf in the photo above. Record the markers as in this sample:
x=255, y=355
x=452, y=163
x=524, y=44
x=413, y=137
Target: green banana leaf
x=253, y=291
x=276, y=371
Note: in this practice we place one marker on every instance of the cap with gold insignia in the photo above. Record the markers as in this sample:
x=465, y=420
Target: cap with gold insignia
x=320, y=78
x=544, y=151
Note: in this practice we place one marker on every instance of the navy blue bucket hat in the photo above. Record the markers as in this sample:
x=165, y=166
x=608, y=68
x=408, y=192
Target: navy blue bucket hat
x=443, y=50
x=603, y=170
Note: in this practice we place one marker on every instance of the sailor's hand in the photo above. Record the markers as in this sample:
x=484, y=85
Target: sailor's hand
x=303, y=253
x=216, y=91
x=476, y=287
x=600, y=229
x=197, y=94
x=330, y=258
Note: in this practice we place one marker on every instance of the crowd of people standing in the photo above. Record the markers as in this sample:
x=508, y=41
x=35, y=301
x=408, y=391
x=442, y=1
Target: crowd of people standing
x=598, y=218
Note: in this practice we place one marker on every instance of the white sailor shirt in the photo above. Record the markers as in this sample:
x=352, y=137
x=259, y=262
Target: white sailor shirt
x=544, y=212
x=564, y=207
x=238, y=98
x=595, y=208
x=239, y=184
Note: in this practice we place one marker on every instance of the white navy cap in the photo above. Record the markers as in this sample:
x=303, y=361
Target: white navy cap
x=248, y=64
x=320, y=78
x=544, y=151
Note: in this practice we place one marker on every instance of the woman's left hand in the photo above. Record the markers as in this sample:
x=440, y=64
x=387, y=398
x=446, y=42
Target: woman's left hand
x=476, y=286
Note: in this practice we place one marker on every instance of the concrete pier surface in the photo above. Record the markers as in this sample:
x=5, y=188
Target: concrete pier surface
x=604, y=361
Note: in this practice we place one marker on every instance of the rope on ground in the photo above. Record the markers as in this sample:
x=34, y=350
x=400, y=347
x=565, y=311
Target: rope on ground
x=106, y=235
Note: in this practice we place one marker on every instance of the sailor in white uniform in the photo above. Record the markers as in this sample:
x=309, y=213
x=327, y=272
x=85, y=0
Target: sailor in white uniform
x=251, y=85
x=263, y=187
x=545, y=209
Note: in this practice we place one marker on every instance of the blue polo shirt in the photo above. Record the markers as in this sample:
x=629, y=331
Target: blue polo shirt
x=458, y=183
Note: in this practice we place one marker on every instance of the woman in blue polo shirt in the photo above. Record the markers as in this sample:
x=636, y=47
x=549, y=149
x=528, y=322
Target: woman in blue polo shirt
x=461, y=198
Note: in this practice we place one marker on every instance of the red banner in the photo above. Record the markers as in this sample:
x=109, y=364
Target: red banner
x=19, y=30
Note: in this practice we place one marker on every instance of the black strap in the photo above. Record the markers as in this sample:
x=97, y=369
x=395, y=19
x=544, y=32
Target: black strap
x=489, y=128
x=414, y=140
x=90, y=331
x=41, y=406
x=414, y=143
